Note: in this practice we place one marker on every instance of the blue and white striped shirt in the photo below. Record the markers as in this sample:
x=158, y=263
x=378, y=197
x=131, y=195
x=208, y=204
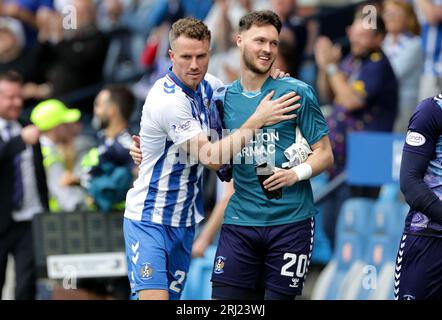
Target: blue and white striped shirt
x=431, y=36
x=168, y=191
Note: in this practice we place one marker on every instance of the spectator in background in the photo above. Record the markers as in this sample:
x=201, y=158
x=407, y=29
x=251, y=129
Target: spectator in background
x=286, y=58
x=402, y=46
x=221, y=20
x=152, y=20
x=76, y=61
x=26, y=12
x=143, y=16
x=307, y=70
x=26, y=61
x=122, y=21
x=52, y=117
x=223, y=17
x=364, y=92
x=109, y=169
x=23, y=191
x=12, y=41
x=430, y=18
x=132, y=22
x=73, y=150
x=293, y=31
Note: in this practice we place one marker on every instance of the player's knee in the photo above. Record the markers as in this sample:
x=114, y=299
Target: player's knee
x=153, y=295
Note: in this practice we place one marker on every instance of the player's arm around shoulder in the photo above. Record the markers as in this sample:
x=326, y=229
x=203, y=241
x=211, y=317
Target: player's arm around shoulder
x=268, y=112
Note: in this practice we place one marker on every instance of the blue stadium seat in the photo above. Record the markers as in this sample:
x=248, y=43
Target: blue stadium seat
x=321, y=246
x=390, y=192
x=319, y=182
x=198, y=285
x=402, y=216
x=376, y=279
x=322, y=251
x=354, y=216
x=388, y=218
x=351, y=234
x=386, y=275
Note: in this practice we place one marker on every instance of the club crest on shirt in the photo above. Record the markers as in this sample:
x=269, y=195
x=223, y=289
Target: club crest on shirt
x=146, y=271
x=206, y=102
x=219, y=265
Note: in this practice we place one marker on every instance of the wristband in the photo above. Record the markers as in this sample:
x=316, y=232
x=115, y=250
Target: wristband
x=303, y=171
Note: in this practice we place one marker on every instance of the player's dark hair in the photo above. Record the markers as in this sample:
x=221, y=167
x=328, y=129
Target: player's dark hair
x=123, y=98
x=259, y=18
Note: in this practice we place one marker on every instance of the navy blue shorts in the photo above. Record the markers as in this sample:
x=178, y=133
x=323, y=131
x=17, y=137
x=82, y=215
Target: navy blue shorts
x=418, y=273
x=274, y=258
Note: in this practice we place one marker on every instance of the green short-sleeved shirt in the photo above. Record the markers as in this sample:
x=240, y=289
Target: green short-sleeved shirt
x=249, y=206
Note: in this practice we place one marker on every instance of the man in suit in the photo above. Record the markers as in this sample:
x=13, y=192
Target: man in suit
x=23, y=190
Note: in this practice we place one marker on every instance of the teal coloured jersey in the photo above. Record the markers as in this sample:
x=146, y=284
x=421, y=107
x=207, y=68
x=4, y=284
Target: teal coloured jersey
x=249, y=206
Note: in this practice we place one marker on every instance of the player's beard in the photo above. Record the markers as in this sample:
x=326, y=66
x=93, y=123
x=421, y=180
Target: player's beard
x=248, y=61
x=99, y=124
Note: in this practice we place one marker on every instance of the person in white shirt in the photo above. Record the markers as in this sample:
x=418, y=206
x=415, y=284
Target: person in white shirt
x=402, y=45
x=430, y=18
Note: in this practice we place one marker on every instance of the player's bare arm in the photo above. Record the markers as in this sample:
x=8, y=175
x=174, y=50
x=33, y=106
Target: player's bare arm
x=135, y=150
x=268, y=112
x=319, y=160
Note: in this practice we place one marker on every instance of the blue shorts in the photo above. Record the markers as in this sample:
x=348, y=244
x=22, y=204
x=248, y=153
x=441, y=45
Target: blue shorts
x=158, y=256
x=418, y=271
x=274, y=258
